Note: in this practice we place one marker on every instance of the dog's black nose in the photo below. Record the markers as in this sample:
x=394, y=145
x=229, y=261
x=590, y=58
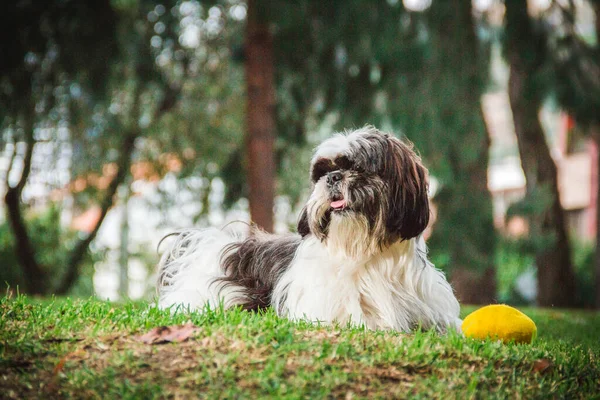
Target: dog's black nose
x=334, y=177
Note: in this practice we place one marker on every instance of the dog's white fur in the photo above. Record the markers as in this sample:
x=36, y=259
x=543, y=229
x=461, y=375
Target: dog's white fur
x=389, y=290
x=343, y=279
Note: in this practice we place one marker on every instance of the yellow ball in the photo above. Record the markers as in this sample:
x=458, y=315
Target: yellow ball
x=499, y=321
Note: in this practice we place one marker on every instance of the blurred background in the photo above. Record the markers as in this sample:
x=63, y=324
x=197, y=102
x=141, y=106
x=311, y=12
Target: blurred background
x=124, y=120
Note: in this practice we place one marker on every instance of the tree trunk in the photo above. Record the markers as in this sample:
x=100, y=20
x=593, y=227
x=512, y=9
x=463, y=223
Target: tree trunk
x=556, y=280
x=260, y=122
x=35, y=279
x=474, y=287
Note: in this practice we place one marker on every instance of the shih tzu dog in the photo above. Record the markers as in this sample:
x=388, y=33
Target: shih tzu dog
x=359, y=256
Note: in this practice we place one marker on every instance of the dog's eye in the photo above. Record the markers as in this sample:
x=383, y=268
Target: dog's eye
x=322, y=167
x=358, y=168
x=343, y=163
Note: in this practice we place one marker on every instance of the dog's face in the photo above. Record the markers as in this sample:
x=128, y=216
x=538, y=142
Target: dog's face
x=369, y=191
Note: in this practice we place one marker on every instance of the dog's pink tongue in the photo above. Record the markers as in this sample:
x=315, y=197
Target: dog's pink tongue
x=338, y=203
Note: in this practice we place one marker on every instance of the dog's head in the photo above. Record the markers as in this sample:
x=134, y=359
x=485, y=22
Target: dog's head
x=369, y=191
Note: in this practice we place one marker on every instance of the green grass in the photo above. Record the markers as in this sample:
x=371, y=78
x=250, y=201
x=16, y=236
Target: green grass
x=88, y=349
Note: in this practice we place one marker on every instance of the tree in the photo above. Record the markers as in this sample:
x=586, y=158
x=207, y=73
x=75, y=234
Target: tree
x=526, y=52
x=138, y=99
x=260, y=124
x=454, y=79
x=577, y=67
x=52, y=50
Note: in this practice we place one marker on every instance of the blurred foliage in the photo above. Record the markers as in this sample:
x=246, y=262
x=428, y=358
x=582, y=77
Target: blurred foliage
x=583, y=263
x=53, y=244
x=537, y=201
x=192, y=102
x=515, y=256
x=576, y=65
x=445, y=112
x=50, y=41
x=191, y=98
x=147, y=79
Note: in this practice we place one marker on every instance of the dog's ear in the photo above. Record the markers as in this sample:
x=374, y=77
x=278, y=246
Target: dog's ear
x=409, y=207
x=303, y=228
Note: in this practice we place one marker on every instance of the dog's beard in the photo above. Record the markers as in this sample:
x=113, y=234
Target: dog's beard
x=356, y=229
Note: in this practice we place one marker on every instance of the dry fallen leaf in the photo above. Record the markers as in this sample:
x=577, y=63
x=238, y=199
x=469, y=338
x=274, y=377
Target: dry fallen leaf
x=542, y=366
x=166, y=334
x=71, y=356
